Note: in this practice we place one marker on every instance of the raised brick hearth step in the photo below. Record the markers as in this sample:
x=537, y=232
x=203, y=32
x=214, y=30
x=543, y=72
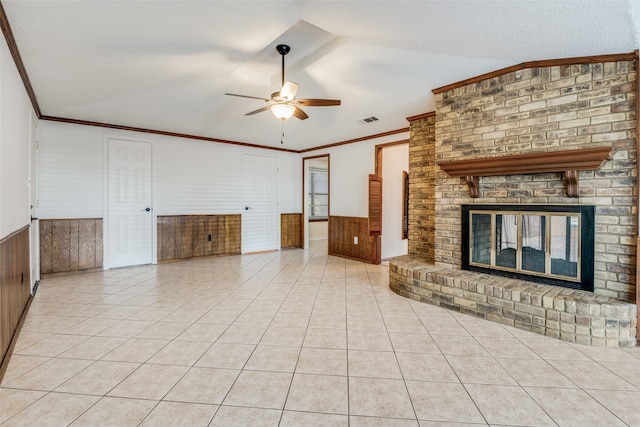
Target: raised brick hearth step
x=568, y=314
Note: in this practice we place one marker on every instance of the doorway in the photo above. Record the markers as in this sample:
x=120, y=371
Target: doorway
x=261, y=210
x=316, y=201
x=130, y=216
x=396, y=161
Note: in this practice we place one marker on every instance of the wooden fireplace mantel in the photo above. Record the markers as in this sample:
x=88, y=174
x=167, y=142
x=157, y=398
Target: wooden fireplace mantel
x=569, y=162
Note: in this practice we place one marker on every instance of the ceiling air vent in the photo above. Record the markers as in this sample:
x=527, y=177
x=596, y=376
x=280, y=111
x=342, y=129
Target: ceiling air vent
x=369, y=119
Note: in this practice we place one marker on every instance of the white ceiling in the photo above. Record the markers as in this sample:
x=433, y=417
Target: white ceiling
x=165, y=65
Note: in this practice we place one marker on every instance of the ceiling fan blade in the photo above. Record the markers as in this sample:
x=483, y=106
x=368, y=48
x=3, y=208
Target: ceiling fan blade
x=259, y=110
x=298, y=113
x=289, y=90
x=248, y=96
x=318, y=102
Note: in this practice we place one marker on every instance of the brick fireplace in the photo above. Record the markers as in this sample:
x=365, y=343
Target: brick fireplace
x=550, y=244
x=537, y=107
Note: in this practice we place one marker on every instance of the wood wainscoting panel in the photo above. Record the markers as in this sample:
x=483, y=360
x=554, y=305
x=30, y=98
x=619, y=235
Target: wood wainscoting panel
x=191, y=236
x=184, y=237
x=15, y=288
x=291, y=230
x=343, y=230
x=68, y=245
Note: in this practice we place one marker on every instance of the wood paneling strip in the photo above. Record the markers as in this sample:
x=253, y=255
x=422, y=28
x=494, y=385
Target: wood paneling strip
x=187, y=236
x=233, y=233
x=290, y=230
x=199, y=229
x=343, y=229
x=74, y=246
x=60, y=246
x=86, y=250
x=45, y=246
x=68, y=245
x=184, y=237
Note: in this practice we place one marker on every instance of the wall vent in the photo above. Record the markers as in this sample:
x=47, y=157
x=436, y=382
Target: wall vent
x=369, y=119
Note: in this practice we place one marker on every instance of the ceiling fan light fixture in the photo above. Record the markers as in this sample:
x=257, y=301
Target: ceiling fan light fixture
x=282, y=111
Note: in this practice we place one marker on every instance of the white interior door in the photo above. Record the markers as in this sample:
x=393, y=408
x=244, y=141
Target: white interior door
x=260, y=192
x=130, y=215
x=34, y=230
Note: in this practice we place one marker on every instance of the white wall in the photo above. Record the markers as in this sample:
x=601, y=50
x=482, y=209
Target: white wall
x=318, y=230
x=194, y=177
x=70, y=171
x=15, y=110
x=395, y=160
x=189, y=176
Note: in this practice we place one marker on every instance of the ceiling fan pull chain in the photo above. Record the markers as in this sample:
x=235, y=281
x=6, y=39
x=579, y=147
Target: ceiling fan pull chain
x=282, y=132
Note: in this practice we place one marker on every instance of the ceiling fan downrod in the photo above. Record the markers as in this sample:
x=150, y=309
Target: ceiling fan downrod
x=283, y=49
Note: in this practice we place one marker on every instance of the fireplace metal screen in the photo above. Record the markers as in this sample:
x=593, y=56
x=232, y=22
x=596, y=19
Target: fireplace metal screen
x=549, y=244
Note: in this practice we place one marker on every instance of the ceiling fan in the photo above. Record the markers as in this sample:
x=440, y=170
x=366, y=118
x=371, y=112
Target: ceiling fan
x=283, y=104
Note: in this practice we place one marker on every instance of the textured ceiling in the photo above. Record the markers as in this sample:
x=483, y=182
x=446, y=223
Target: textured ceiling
x=165, y=65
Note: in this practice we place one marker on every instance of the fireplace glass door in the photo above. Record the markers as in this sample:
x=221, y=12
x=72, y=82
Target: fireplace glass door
x=541, y=244
x=551, y=244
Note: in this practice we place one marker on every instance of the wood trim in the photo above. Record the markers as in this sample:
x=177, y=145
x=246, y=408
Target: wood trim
x=393, y=144
x=164, y=133
x=17, y=59
x=319, y=156
x=547, y=161
x=211, y=139
x=421, y=116
x=568, y=162
x=378, y=153
x=542, y=63
x=351, y=141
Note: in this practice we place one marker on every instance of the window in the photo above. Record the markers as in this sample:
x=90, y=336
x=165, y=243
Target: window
x=318, y=194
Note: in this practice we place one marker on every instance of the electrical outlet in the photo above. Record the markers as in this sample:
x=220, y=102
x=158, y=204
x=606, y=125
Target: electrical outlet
x=355, y=240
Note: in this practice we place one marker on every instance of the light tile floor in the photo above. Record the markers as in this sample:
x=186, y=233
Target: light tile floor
x=292, y=338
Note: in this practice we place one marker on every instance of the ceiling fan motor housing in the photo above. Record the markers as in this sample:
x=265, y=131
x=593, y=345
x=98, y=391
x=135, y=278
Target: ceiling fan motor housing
x=283, y=49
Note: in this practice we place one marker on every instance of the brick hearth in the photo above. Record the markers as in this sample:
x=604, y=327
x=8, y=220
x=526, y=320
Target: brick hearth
x=569, y=314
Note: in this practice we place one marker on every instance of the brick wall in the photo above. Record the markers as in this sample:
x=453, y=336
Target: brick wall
x=422, y=174
x=535, y=109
